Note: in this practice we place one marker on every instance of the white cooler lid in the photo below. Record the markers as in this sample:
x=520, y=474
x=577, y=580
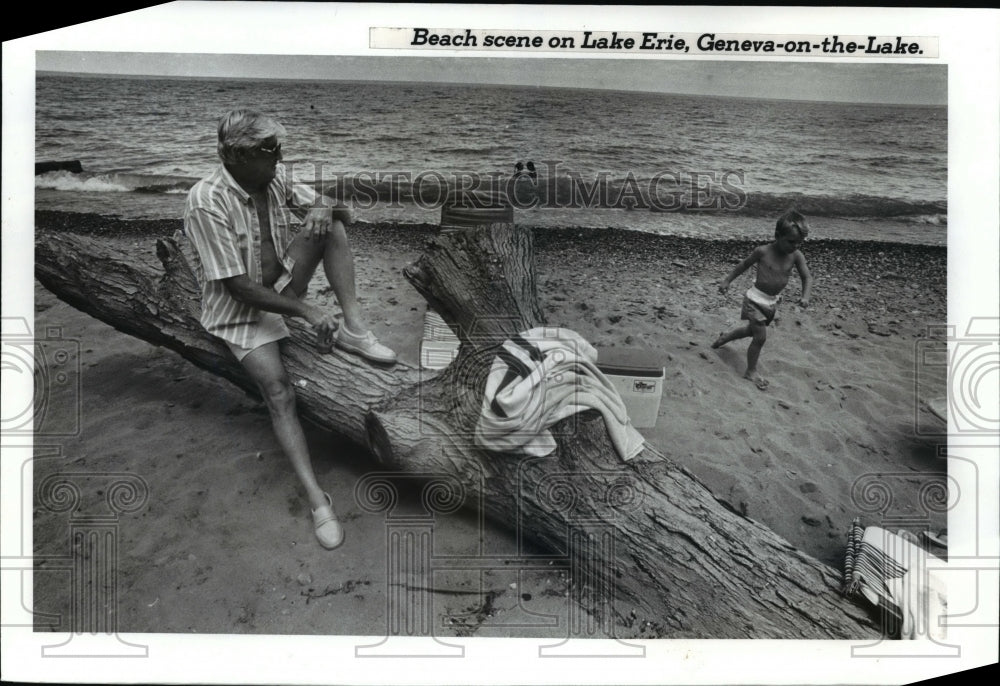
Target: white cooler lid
x=628, y=361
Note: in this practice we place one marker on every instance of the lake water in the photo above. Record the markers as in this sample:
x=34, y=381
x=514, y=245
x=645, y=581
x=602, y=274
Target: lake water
x=673, y=164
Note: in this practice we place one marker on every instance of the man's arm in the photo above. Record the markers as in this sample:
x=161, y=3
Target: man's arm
x=803, y=269
x=319, y=221
x=209, y=231
x=741, y=267
x=263, y=298
x=306, y=204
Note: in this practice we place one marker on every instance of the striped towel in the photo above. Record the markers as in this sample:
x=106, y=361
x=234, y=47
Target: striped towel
x=540, y=377
x=891, y=572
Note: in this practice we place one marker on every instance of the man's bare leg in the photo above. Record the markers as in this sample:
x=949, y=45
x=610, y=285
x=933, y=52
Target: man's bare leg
x=307, y=253
x=334, y=251
x=266, y=368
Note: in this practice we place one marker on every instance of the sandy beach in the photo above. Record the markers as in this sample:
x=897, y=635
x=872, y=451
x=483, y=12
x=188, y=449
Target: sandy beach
x=224, y=544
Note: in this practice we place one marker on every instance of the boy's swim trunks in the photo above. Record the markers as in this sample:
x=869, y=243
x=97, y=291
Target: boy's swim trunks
x=759, y=307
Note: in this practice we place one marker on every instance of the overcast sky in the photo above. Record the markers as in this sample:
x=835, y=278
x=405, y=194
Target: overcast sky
x=870, y=83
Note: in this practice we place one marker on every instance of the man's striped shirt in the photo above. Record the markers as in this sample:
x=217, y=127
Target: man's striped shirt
x=221, y=221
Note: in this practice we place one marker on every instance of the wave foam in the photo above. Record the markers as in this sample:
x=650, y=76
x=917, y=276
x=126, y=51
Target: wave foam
x=67, y=181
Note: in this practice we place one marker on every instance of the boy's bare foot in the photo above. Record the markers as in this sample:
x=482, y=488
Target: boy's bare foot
x=758, y=380
x=720, y=341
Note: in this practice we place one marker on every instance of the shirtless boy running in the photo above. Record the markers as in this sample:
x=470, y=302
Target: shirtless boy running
x=774, y=265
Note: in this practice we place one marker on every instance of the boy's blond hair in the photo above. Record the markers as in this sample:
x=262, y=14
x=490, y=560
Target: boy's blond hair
x=791, y=220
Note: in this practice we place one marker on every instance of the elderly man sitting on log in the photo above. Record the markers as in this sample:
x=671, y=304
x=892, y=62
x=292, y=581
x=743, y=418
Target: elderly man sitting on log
x=254, y=268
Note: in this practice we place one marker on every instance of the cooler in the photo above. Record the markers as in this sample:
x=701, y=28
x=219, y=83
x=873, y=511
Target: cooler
x=638, y=375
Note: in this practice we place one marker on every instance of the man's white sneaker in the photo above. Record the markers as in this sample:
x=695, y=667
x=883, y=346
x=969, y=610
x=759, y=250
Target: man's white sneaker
x=365, y=345
x=329, y=532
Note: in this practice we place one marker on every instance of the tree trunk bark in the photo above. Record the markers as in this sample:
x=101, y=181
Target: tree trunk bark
x=656, y=540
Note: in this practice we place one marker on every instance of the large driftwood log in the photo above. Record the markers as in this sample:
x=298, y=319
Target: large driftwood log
x=671, y=552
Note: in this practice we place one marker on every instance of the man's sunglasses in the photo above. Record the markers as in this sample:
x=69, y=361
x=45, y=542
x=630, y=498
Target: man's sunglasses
x=274, y=152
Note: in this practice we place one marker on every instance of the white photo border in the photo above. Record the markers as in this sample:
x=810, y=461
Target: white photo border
x=969, y=43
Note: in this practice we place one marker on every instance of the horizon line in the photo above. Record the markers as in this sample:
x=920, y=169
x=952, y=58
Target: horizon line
x=189, y=77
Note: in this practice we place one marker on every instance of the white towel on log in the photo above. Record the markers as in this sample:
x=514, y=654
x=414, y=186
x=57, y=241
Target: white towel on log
x=540, y=377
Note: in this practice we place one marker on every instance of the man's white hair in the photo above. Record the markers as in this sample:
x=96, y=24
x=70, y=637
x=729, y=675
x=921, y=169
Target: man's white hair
x=243, y=130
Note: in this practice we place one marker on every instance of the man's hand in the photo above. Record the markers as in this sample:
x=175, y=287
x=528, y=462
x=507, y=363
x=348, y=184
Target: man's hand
x=317, y=223
x=723, y=287
x=323, y=323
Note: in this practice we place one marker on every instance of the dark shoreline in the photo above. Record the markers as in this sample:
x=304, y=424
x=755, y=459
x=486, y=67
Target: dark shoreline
x=862, y=280
x=116, y=227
